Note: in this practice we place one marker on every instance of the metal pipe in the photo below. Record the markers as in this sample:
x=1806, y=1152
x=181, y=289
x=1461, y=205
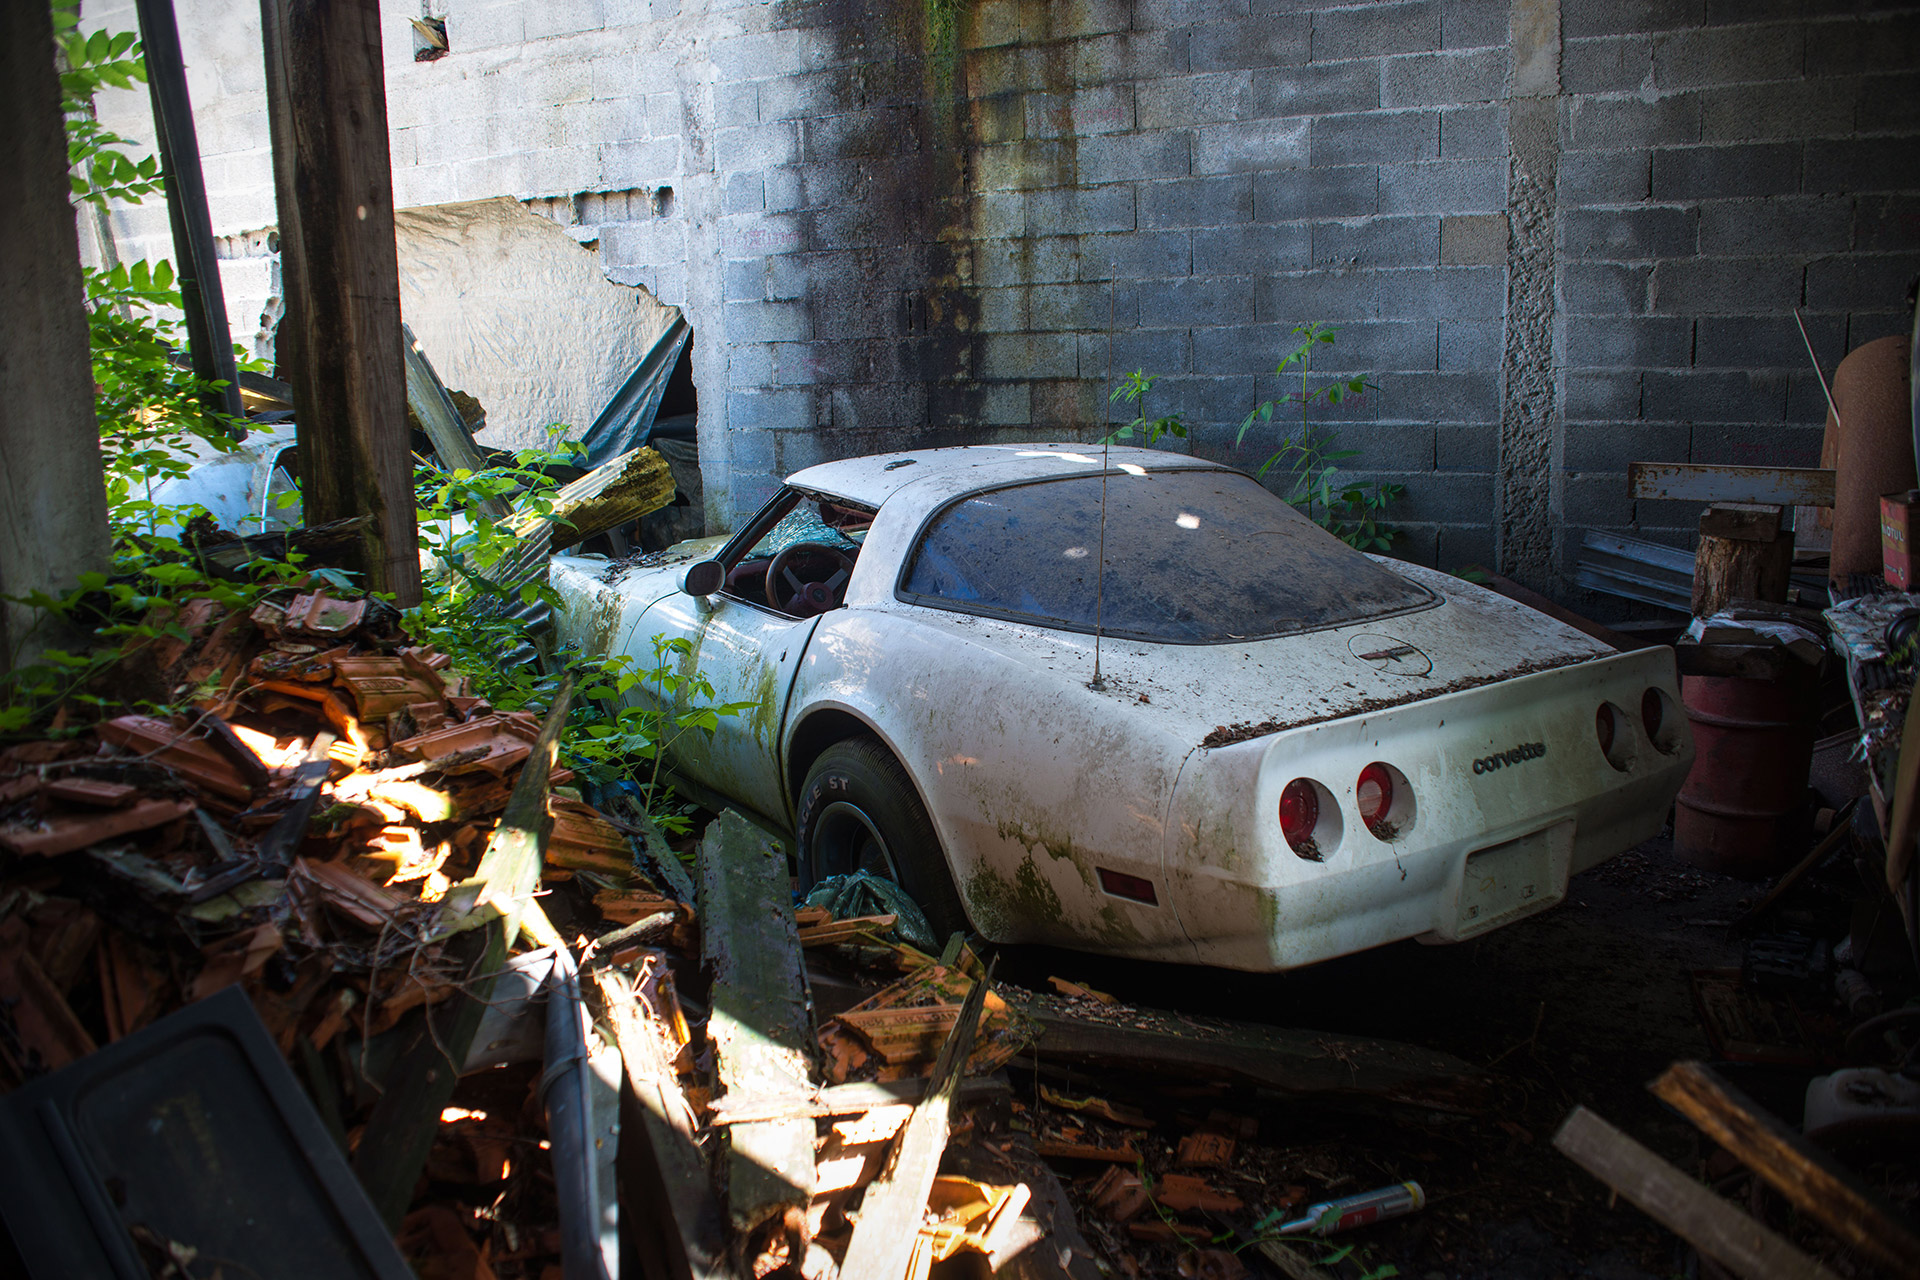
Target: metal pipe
x=589, y=1247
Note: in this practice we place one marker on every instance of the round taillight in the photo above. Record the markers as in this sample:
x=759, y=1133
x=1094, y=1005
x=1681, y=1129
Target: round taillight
x=1374, y=795
x=1650, y=713
x=1603, y=726
x=1299, y=815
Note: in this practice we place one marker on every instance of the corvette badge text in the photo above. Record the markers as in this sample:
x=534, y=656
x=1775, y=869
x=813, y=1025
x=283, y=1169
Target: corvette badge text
x=1525, y=751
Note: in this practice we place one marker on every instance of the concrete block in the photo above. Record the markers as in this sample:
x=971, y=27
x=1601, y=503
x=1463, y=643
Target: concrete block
x=1806, y=399
x=1317, y=89
x=786, y=277
x=1082, y=113
x=1473, y=239
x=1782, y=224
x=1136, y=256
x=1403, y=346
x=563, y=18
x=1607, y=342
x=1722, y=172
x=1189, y=100
x=1002, y=310
x=1030, y=260
x=787, y=410
x=736, y=105
x=1337, y=191
x=780, y=52
x=1202, y=400
x=1377, y=242
x=1471, y=24
x=1338, y=296
x=783, y=190
x=1447, y=497
x=1376, y=29
x=1196, y=202
x=1080, y=210
x=1860, y=282
x=1459, y=548
x=1439, y=293
x=767, y=322
x=1057, y=308
x=880, y=131
x=1724, y=55
x=826, y=184
x=1604, y=288
x=999, y=215
x=749, y=364
x=1130, y=157
x=991, y=22
x=1070, y=18
x=743, y=193
x=1611, y=123
x=1195, y=302
x=1438, y=397
x=1888, y=104
x=1886, y=222
x=1760, y=112
x=1880, y=42
x=1767, y=342
x=1444, y=79
x=1465, y=448
x=1269, y=41
x=762, y=146
x=1258, y=248
x=1023, y=166
x=1612, y=396
x=1725, y=286
x=1607, y=64
x=1610, y=446
x=1153, y=351
x=1250, y=146
x=1028, y=355
x=1127, y=55
x=744, y=280
x=1596, y=499
x=1002, y=117
x=1379, y=137
x=1741, y=446
x=1473, y=133
x=1155, y=14
x=1604, y=177
x=1444, y=186
x=1618, y=17
x=1696, y=396
x=489, y=28
x=1655, y=231
x=1863, y=164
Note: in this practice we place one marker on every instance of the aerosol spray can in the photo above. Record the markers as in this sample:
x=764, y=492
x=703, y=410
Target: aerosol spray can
x=1329, y=1216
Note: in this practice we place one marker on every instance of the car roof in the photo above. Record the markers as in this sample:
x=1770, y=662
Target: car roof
x=871, y=480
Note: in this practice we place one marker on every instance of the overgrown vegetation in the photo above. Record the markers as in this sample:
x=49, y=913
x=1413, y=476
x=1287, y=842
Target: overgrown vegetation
x=154, y=419
x=1309, y=465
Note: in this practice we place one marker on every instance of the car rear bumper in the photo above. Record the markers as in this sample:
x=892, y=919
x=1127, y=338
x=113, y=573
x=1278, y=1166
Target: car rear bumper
x=1511, y=795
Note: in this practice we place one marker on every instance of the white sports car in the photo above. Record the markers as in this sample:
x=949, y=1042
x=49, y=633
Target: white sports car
x=1292, y=750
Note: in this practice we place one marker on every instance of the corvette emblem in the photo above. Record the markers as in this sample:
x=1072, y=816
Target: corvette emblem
x=1518, y=755
x=1389, y=654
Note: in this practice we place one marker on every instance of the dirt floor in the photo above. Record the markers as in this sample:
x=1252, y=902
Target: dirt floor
x=1583, y=1004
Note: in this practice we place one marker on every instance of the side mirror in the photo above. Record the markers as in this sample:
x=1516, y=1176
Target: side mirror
x=703, y=578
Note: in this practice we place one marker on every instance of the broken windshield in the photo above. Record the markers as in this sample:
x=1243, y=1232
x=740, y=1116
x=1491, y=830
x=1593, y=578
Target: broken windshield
x=1192, y=556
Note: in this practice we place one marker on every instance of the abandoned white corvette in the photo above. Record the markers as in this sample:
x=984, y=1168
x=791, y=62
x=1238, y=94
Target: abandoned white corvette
x=1294, y=750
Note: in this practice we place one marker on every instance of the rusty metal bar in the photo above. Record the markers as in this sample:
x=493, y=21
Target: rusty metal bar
x=1705, y=482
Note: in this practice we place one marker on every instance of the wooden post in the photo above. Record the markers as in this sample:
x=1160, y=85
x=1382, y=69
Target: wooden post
x=53, y=499
x=209, y=341
x=1744, y=554
x=340, y=341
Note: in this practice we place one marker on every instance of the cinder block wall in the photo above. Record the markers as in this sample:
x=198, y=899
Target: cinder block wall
x=1559, y=237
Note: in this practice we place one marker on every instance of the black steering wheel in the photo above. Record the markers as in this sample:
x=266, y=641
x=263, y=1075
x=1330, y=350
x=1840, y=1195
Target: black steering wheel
x=802, y=596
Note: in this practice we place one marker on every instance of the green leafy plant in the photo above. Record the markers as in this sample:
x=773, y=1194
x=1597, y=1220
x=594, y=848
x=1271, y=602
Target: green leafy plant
x=1133, y=390
x=1350, y=509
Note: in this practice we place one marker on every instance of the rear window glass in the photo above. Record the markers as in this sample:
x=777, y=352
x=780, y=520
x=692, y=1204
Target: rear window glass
x=1192, y=557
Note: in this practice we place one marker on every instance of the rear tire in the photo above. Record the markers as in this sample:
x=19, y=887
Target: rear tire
x=859, y=811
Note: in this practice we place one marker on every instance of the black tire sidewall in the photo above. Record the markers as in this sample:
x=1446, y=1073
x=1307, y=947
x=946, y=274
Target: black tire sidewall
x=862, y=772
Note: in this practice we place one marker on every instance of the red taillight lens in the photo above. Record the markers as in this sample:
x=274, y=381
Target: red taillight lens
x=1374, y=794
x=1299, y=815
x=1122, y=885
x=1650, y=712
x=1603, y=726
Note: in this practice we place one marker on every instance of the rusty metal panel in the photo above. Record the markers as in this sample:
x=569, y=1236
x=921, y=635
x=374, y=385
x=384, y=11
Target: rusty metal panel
x=1703, y=482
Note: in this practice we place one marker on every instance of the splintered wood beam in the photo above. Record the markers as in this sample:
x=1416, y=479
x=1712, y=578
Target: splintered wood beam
x=1813, y=1181
x=1680, y=1204
x=760, y=1029
x=333, y=182
x=612, y=494
x=428, y=398
x=890, y=1216
x=436, y=1039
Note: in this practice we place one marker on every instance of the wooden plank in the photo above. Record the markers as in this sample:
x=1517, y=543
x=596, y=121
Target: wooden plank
x=401, y=1129
x=333, y=179
x=1706, y=482
x=1811, y=1180
x=761, y=1033
x=1683, y=1206
x=622, y=490
x=890, y=1216
x=427, y=397
x=847, y=1099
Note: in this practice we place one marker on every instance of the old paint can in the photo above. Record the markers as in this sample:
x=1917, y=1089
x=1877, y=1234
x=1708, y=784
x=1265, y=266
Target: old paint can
x=1740, y=811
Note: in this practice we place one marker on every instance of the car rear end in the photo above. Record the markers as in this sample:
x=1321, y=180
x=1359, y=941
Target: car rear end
x=1436, y=819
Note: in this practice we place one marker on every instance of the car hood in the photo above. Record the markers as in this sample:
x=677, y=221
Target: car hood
x=1215, y=695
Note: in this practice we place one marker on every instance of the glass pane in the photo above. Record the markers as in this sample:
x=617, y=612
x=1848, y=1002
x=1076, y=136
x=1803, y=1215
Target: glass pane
x=1192, y=557
x=828, y=524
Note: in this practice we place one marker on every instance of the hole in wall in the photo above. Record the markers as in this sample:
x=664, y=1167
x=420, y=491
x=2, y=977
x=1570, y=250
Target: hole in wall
x=663, y=202
x=429, y=38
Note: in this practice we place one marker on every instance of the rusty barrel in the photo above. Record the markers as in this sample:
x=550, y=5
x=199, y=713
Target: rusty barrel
x=1740, y=810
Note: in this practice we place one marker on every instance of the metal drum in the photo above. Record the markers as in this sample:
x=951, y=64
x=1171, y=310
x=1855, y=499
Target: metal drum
x=1740, y=811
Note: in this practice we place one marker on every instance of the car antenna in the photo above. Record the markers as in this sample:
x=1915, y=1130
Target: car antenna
x=1106, y=447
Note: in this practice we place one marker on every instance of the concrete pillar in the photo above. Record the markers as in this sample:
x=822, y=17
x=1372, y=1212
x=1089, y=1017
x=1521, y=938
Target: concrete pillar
x=53, y=500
